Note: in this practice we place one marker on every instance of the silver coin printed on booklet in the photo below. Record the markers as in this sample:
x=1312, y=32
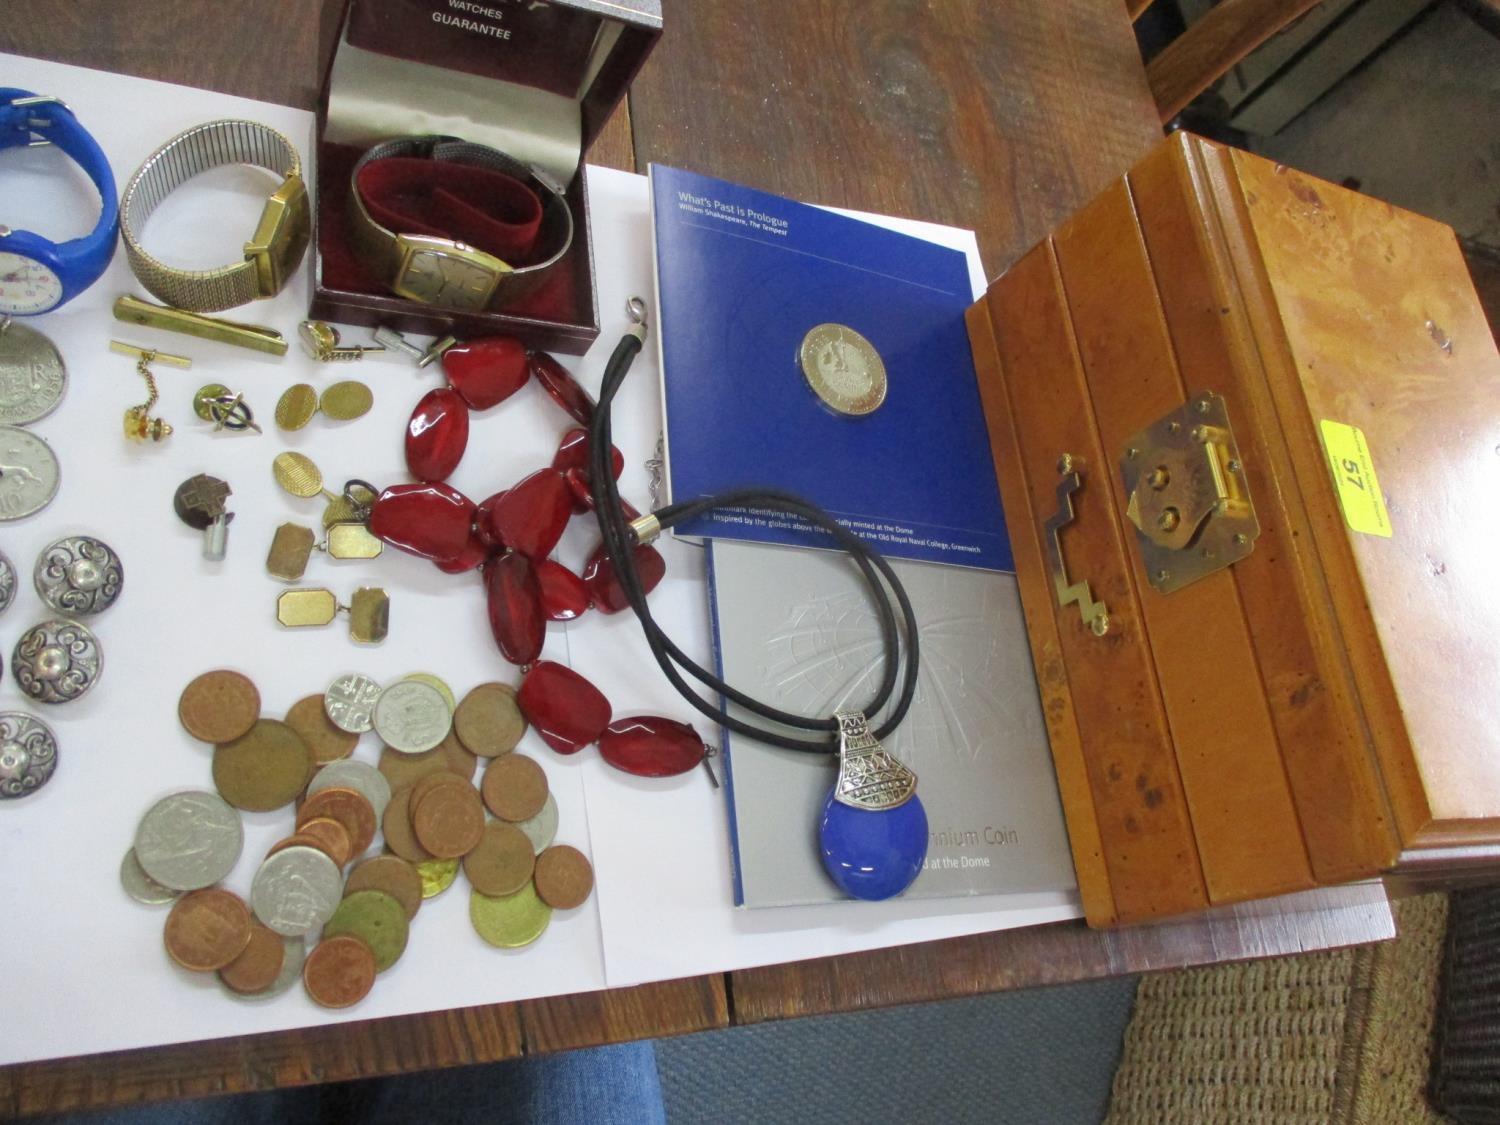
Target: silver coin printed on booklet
x=412, y=716
x=189, y=840
x=140, y=886
x=57, y=661
x=32, y=375
x=28, y=754
x=29, y=474
x=7, y=583
x=843, y=369
x=79, y=576
x=362, y=777
x=296, y=890
x=350, y=702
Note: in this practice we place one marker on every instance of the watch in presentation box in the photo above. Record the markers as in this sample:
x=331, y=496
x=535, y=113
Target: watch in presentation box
x=1247, y=429
x=448, y=163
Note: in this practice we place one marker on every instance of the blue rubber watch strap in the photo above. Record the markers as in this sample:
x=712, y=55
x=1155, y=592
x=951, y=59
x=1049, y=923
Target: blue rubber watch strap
x=80, y=260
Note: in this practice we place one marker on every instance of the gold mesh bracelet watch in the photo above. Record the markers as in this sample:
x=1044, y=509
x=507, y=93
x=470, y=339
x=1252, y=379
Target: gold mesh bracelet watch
x=274, y=250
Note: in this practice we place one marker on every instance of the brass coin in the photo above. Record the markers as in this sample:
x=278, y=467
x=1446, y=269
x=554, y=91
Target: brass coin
x=514, y=787
x=332, y=837
x=396, y=827
x=377, y=919
x=449, y=755
x=350, y=808
x=344, y=401
x=296, y=406
x=449, y=820
x=391, y=874
x=843, y=369
x=509, y=921
x=564, y=877
x=264, y=768
x=296, y=474
x=339, y=971
x=219, y=706
x=327, y=742
x=502, y=861
x=207, y=929
x=433, y=681
x=257, y=968
x=437, y=876
x=489, y=721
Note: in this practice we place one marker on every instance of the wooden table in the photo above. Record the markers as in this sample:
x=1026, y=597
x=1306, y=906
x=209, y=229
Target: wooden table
x=998, y=115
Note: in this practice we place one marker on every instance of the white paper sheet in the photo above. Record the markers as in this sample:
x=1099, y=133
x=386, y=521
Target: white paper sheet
x=88, y=970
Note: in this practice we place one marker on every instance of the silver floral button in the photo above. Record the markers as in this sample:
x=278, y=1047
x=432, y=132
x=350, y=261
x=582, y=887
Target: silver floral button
x=79, y=576
x=28, y=754
x=56, y=661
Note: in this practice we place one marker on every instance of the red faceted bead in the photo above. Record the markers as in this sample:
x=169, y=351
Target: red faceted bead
x=563, y=388
x=604, y=585
x=486, y=372
x=437, y=435
x=530, y=516
x=573, y=453
x=473, y=554
x=583, y=497
x=431, y=520
x=482, y=522
x=566, y=710
x=651, y=746
x=564, y=596
x=514, y=599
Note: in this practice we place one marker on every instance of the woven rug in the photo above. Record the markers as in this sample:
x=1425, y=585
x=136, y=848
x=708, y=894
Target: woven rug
x=1343, y=1036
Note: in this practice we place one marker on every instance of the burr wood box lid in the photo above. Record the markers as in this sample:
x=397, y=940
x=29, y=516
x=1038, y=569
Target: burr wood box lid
x=535, y=80
x=1247, y=430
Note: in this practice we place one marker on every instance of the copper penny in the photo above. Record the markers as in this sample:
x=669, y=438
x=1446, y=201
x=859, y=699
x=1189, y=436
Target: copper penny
x=514, y=787
x=449, y=820
x=257, y=968
x=502, y=862
x=425, y=785
x=300, y=840
x=396, y=826
x=207, y=929
x=327, y=742
x=219, y=706
x=349, y=808
x=391, y=874
x=564, y=877
x=339, y=971
x=449, y=755
x=263, y=769
x=332, y=837
x=489, y=721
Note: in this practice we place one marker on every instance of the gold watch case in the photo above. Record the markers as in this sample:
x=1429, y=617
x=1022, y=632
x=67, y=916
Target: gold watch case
x=449, y=274
x=280, y=237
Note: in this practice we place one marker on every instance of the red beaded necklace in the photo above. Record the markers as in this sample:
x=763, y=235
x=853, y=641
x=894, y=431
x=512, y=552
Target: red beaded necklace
x=508, y=538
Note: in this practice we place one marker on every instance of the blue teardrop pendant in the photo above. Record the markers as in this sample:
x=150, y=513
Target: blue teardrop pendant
x=873, y=832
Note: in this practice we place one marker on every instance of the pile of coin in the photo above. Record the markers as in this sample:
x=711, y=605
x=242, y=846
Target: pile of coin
x=421, y=797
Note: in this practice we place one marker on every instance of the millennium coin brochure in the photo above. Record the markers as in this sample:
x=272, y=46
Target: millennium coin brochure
x=796, y=629
x=816, y=353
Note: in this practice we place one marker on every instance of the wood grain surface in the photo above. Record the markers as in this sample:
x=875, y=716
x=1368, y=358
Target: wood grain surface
x=1000, y=116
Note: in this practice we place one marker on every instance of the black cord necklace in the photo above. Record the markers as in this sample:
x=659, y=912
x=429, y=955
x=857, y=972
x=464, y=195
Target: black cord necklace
x=871, y=782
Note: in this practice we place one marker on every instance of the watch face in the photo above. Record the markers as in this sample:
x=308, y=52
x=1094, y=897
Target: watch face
x=27, y=286
x=437, y=277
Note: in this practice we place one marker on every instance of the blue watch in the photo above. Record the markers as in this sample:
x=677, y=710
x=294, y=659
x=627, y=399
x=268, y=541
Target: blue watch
x=37, y=274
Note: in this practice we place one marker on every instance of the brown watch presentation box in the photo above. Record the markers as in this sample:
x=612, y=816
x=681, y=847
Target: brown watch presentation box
x=1247, y=430
x=534, y=80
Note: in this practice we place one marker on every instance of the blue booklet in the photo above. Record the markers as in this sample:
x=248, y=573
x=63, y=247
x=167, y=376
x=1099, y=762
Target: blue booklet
x=743, y=278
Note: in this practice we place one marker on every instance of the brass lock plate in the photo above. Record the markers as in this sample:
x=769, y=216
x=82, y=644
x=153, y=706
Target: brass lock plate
x=1187, y=495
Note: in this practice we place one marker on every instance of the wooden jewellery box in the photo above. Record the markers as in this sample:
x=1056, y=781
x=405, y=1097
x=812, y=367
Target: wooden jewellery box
x=533, y=79
x=1247, y=430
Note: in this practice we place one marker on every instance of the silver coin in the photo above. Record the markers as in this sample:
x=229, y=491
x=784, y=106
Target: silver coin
x=291, y=972
x=843, y=369
x=28, y=754
x=189, y=840
x=32, y=375
x=7, y=583
x=29, y=473
x=140, y=886
x=412, y=716
x=362, y=777
x=350, y=702
x=57, y=661
x=541, y=829
x=296, y=890
x=79, y=575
